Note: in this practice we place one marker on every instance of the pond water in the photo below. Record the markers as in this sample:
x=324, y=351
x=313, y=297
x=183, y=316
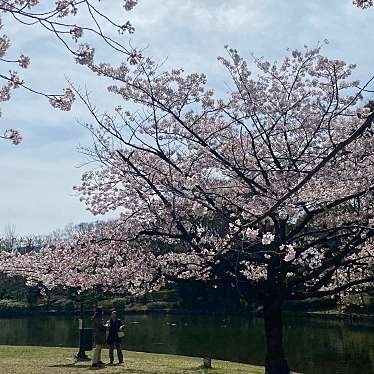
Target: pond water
x=312, y=346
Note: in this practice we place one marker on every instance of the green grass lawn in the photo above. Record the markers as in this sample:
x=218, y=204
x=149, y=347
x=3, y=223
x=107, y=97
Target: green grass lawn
x=41, y=360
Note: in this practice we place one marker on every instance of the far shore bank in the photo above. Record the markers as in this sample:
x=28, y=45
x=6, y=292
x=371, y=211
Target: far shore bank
x=23, y=310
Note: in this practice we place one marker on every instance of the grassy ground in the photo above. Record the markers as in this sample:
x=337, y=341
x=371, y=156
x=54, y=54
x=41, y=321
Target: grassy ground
x=40, y=360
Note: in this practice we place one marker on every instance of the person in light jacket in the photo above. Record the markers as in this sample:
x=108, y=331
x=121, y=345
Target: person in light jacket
x=99, y=335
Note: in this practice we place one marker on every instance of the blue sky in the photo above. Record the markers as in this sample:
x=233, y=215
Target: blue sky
x=37, y=176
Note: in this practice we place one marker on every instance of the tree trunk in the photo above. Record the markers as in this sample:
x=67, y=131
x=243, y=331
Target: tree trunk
x=276, y=362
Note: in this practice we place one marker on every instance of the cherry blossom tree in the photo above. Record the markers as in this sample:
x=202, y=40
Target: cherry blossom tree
x=55, y=17
x=85, y=262
x=268, y=189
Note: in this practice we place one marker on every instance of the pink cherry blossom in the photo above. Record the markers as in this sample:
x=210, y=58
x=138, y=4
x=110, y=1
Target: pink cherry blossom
x=130, y=4
x=364, y=4
x=290, y=252
x=24, y=61
x=267, y=238
x=85, y=54
x=63, y=102
x=13, y=135
x=76, y=32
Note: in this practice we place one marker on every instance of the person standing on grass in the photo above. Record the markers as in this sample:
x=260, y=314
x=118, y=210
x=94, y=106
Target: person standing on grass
x=114, y=340
x=99, y=334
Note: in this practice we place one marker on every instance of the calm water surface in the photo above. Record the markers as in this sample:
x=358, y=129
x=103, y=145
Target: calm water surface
x=313, y=346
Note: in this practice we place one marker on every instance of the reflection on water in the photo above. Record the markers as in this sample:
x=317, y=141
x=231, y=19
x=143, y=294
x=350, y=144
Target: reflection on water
x=313, y=346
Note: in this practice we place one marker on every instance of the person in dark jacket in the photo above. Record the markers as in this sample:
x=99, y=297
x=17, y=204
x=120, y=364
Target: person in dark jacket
x=99, y=334
x=115, y=325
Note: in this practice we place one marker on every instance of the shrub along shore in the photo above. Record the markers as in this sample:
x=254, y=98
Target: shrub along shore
x=9, y=308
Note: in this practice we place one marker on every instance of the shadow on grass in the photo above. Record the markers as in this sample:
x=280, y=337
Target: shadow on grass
x=197, y=370
x=76, y=366
x=200, y=369
x=72, y=365
x=189, y=370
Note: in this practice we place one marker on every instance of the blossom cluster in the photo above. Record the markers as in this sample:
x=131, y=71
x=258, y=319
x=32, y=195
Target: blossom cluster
x=13, y=135
x=364, y=4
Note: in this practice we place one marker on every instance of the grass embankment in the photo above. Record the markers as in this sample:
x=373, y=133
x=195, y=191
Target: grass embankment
x=41, y=360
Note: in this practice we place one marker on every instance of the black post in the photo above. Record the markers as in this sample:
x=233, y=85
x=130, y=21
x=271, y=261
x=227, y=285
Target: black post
x=207, y=363
x=81, y=355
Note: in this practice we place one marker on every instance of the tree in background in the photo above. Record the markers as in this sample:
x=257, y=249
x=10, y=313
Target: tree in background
x=86, y=262
x=56, y=18
x=9, y=239
x=70, y=232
